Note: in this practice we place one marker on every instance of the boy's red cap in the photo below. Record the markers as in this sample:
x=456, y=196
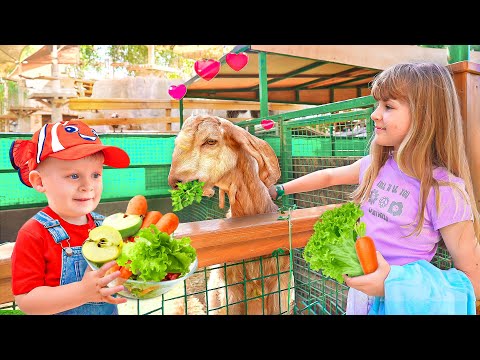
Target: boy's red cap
x=66, y=140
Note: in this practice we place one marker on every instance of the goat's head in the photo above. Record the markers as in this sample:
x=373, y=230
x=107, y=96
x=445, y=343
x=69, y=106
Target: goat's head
x=208, y=147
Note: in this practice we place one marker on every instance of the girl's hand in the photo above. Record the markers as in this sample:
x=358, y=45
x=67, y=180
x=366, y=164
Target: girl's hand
x=272, y=191
x=371, y=284
x=95, y=284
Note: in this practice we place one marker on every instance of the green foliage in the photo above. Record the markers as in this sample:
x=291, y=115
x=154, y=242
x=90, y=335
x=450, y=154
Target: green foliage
x=12, y=93
x=130, y=54
x=167, y=57
x=186, y=194
x=89, y=57
x=11, y=312
x=278, y=252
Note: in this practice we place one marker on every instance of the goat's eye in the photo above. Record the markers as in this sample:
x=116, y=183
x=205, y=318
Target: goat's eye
x=211, y=142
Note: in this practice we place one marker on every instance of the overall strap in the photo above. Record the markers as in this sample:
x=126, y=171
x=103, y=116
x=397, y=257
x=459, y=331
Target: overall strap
x=97, y=218
x=53, y=226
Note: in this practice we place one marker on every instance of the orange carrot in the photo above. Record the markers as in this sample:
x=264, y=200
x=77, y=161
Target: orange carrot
x=113, y=269
x=147, y=290
x=137, y=206
x=168, y=223
x=367, y=255
x=152, y=217
x=125, y=272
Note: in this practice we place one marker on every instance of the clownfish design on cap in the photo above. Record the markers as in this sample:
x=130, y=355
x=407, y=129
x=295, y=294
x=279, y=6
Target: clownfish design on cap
x=66, y=140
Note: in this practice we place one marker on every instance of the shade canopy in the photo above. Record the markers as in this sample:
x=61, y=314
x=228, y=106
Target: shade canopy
x=12, y=55
x=66, y=54
x=309, y=74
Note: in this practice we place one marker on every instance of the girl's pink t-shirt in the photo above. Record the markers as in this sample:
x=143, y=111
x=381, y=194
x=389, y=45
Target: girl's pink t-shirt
x=393, y=204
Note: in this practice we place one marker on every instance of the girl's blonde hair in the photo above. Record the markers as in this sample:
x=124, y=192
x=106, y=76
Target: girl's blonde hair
x=435, y=137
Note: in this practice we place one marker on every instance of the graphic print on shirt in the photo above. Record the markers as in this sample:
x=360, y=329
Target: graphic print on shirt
x=381, y=196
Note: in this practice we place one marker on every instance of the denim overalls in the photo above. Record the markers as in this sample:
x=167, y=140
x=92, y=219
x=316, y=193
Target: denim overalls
x=74, y=265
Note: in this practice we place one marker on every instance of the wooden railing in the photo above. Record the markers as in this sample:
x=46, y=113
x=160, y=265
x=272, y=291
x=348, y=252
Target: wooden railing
x=89, y=103
x=219, y=241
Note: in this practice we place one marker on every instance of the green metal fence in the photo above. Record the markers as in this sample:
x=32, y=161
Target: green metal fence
x=304, y=141
x=150, y=159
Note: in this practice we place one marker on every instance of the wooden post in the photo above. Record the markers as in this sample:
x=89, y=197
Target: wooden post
x=466, y=76
x=6, y=295
x=168, y=113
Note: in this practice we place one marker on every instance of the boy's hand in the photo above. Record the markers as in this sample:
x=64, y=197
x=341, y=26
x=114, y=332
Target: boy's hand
x=95, y=284
x=371, y=284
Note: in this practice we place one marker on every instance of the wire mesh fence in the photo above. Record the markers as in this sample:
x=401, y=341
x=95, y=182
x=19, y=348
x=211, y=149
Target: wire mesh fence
x=304, y=141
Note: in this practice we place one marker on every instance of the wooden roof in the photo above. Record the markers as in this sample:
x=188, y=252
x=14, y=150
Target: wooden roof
x=309, y=74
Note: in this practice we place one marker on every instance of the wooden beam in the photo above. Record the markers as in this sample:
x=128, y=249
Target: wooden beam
x=155, y=120
x=221, y=240
x=88, y=103
x=128, y=121
x=371, y=56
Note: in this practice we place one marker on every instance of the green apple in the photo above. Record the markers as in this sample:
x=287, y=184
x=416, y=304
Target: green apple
x=104, y=244
x=127, y=224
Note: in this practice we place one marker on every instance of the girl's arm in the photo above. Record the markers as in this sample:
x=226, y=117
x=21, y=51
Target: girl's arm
x=343, y=175
x=464, y=249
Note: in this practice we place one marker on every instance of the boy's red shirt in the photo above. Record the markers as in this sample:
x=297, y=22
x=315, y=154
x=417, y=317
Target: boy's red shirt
x=36, y=258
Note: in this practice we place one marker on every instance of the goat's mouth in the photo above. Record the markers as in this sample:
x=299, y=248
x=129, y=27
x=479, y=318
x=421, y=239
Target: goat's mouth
x=208, y=189
x=174, y=183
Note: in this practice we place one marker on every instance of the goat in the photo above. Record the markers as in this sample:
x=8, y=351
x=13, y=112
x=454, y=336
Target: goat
x=221, y=154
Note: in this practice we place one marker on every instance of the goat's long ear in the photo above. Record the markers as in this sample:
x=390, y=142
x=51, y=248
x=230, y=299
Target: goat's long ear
x=268, y=167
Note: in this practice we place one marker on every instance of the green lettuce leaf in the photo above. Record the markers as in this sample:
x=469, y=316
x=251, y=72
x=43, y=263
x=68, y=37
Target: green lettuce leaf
x=186, y=194
x=331, y=248
x=154, y=254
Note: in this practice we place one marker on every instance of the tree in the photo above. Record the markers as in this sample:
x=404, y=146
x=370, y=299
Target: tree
x=164, y=55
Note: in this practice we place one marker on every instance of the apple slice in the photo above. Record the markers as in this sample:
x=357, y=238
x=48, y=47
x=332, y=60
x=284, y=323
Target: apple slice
x=127, y=224
x=104, y=244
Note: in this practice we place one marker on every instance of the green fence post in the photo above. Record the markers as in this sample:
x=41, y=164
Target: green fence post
x=180, y=108
x=332, y=138
x=262, y=88
x=456, y=53
x=370, y=126
x=286, y=155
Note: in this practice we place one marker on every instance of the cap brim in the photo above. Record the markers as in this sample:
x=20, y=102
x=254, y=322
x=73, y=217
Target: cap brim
x=23, y=174
x=114, y=156
x=23, y=170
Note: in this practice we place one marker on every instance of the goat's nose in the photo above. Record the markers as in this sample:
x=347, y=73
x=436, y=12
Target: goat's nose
x=172, y=182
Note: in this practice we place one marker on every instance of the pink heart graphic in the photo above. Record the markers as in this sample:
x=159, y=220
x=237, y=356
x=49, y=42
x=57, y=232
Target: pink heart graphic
x=267, y=124
x=177, y=91
x=237, y=61
x=207, y=69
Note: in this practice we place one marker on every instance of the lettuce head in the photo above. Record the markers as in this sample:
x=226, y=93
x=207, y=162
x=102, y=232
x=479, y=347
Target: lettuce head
x=331, y=248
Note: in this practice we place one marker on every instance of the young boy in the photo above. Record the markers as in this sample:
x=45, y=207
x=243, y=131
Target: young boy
x=64, y=161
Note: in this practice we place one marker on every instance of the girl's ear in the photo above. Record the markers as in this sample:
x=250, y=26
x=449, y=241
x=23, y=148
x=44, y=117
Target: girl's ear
x=35, y=179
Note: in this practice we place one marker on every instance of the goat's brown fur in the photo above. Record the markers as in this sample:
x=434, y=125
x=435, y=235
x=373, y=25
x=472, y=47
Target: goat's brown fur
x=224, y=155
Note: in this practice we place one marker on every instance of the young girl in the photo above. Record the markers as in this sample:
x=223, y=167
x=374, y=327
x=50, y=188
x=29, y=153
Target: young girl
x=415, y=186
